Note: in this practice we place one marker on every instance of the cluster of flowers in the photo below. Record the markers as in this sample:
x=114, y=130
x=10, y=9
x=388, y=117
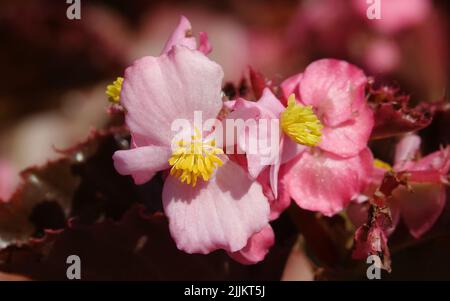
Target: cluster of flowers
x=218, y=201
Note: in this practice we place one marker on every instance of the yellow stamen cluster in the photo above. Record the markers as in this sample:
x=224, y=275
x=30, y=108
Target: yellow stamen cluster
x=113, y=90
x=381, y=164
x=194, y=159
x=300, y=123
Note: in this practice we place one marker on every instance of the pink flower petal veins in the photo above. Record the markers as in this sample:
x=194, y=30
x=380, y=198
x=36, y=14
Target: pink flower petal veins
x=182, y=35
x=142, y=162
x=334, y=88
x=222, y=213
x=257, y=247
x=326, y=183
x=158, y=90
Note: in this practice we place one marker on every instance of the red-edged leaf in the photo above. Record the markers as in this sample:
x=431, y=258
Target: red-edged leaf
x=393, y=113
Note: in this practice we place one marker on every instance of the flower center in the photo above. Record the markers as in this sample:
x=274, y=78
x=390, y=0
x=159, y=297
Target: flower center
x=300, y=123
x=195, y=158
x=113, y=90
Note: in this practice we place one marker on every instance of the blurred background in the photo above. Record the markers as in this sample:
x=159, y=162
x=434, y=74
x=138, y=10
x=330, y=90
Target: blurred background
x=54, y=70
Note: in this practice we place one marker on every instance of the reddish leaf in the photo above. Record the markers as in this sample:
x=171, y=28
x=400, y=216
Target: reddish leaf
x=393, y=113
x=139, y=247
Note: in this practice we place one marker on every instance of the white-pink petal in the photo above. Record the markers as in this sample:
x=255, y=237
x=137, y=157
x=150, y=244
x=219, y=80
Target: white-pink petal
x=222, y=213
x=182, y=35
x=159, y=90
x=142, y=162
x=406, y=150
x=257, y=247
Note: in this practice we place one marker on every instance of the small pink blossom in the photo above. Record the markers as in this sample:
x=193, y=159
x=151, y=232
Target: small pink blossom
x=327, y=178
x=335, y=91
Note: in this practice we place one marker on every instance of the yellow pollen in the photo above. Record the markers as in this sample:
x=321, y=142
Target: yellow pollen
x=381, y=164
x=195, y=158
x=113, y=90
x=300, y=123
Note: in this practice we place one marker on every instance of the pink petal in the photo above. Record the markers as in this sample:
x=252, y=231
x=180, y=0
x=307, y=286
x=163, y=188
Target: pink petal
x=437, y=161
x=277, y=204
x=257, y=247
x=335, y=88
x=204, y=46
x=288, y=151
x=422, y=207
x=257, y=144
x=406, y=150
x=270, y=102
x=426, y=176
x=273, y=177
x=182, y=35
x=326, y=183
x=222, y=213
x=255, y=165
x=291, y=85
x=349, y=138
x=142, y=162
x=268, y=106
x=157, y=91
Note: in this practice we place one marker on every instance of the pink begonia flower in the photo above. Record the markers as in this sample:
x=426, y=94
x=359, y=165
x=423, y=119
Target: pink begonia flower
x=9, y=179
x=395, y=15
x=327, y=178
x=336, y=170
x=421, y=206
x=336, y=91
x=225, y=208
